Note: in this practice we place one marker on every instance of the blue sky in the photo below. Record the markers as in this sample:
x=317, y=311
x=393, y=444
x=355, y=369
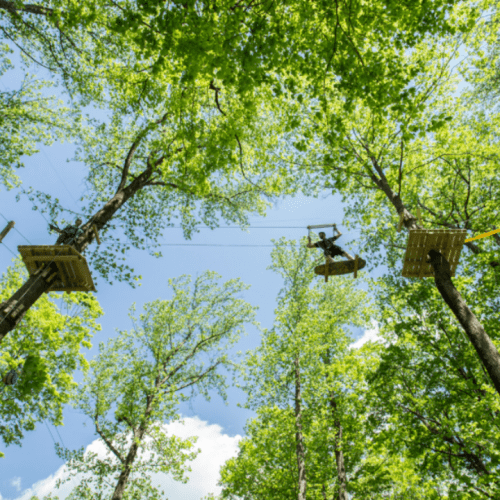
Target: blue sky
x=219, y=425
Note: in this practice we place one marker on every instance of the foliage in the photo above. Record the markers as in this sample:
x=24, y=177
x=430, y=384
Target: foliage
x=430, y=389
x=27, y=118
x=483, y=69
x=242, y=45
x=310, y=333
x=45, y=350
x=198, y=165
x=138, y=378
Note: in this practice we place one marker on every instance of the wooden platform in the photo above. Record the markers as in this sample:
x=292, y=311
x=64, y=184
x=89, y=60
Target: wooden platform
x=73, y=270
x=341, y=267
x=447, y=241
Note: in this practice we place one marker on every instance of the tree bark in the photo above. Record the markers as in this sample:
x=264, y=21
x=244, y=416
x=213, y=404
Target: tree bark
x=32, y=9
x=486, y=350
x=16, y=306
x=339, y=454
x=299, y=438
x=138, y=434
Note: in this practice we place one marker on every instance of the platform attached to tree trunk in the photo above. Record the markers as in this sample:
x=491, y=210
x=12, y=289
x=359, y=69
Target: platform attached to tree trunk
x=448, y=242
x=73, y=270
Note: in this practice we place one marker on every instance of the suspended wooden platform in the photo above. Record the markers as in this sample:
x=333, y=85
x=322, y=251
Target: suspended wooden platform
x=341, y=267
x=73, y=270
x=448, y=242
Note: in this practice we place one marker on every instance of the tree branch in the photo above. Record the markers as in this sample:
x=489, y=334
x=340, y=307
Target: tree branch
x=109, y=444
x=32, y=9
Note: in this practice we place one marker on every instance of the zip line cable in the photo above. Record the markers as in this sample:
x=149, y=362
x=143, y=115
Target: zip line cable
x=164, y=244
x=60, y=436
x=207, y=245
x=238, y=227
x=57, y=173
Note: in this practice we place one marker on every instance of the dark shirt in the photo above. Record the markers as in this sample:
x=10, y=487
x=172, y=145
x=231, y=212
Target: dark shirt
x=328, y=247
x=67, y=235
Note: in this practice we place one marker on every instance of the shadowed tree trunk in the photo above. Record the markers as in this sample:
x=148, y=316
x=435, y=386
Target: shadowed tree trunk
x=485, y=348
x=299, y=438
x=339, y=454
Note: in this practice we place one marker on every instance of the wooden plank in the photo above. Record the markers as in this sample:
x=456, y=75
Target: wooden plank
x=420, y=241
x=72, y=269
x=9, y=226
x=340, y=267
x=55, y=258
x=62, y=275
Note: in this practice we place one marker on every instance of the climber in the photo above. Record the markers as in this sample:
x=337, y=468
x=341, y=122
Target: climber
x=68, y=234
x=329, y=248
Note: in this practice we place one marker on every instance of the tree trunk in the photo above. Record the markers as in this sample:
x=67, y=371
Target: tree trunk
x=121, y=485
x=16, y=306
x=299, y=438
x=339, y=454
x=485, y=348
x=127, y=468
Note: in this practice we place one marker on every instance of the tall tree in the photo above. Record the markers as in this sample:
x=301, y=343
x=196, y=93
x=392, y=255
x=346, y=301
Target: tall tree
x=184, y=158
x=43, y=352
x=178, y=349
x=300, y=371
x=393, y=162
x=430, y=392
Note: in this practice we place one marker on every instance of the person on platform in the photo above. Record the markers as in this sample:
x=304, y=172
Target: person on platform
x=328, y=246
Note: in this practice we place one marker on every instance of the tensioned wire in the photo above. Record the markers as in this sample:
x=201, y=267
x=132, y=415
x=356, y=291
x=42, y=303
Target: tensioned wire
x=176, y=244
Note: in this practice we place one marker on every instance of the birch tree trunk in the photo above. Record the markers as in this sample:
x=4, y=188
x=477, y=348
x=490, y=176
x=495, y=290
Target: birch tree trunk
x=299, y=438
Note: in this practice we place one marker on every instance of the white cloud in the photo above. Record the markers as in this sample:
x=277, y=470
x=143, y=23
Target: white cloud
x=370, y=335
x=215, y=446
x=16, y=483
